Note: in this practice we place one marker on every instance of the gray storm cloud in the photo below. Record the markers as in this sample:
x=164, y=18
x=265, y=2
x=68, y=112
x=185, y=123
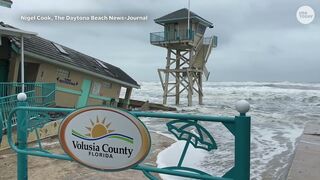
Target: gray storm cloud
x=258, y=40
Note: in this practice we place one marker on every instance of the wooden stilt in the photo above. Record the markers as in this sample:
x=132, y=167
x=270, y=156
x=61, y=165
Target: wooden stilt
x=178, y=56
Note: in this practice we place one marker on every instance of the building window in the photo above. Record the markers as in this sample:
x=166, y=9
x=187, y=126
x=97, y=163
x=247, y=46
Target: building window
x=96, y=88
x=60, y=49
x=62, y=73
x=107, y=85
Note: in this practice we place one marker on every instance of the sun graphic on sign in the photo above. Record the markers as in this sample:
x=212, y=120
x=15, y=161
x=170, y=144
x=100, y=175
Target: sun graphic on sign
x=98, y=128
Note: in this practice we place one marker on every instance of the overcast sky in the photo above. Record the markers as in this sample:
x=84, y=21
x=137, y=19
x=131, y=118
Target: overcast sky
x=258, y=40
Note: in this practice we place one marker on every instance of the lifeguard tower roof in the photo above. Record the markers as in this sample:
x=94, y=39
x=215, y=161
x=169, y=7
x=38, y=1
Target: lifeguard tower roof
x=182, y=14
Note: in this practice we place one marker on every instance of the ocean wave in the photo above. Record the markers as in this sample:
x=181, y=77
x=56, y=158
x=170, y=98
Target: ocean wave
x=312, y=99
x=279, y=111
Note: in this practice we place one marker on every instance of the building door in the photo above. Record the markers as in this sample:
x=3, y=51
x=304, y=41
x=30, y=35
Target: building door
x=30, y=72
x=4, y=70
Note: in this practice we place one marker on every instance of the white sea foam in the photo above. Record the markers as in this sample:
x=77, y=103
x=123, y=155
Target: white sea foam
x=278, y=110
x=171, y=155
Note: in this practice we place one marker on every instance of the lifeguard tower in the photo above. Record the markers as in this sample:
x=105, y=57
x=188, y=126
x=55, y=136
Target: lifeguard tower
x=187, y=53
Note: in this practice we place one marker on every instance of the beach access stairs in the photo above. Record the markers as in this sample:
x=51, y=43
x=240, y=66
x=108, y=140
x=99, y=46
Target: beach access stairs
x=202, y=53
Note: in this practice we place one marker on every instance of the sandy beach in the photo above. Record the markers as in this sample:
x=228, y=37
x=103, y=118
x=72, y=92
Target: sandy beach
x=45, y=168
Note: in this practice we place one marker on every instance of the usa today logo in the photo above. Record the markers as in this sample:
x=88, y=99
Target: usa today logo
x=305, y=14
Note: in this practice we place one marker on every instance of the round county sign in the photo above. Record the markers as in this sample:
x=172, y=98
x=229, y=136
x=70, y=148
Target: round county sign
x=104, y=138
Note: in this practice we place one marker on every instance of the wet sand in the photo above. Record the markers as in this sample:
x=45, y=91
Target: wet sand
x=45, y=168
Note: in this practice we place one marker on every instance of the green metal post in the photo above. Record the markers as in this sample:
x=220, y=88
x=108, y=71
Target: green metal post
x=184, y=152
x=22, y=136
x=242, y=147
x=1, y=126
x=85, y=88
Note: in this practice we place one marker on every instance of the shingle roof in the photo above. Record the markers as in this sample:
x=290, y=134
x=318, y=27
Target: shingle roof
x=46, y=48
x=182, y=14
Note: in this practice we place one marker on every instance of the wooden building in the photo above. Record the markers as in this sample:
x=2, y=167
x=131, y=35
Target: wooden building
x=79, y=79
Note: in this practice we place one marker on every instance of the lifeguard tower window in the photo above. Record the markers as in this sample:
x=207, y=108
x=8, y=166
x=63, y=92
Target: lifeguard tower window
x=201, y=29
x=60, y=48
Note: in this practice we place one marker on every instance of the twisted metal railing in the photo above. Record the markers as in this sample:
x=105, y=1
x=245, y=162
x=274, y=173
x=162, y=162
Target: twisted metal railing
x=183, y=126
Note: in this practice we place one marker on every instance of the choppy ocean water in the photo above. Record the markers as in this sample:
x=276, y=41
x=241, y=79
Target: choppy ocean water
x=279, y=112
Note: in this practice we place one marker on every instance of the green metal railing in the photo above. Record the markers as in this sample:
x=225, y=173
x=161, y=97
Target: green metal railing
x=107, y=100
x=39, y=94
x=180, y=35
x=184, y=126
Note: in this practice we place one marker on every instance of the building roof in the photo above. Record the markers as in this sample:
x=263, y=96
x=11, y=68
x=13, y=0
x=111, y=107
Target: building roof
x=182, y=14
x=6, y=3
x=48, y=49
